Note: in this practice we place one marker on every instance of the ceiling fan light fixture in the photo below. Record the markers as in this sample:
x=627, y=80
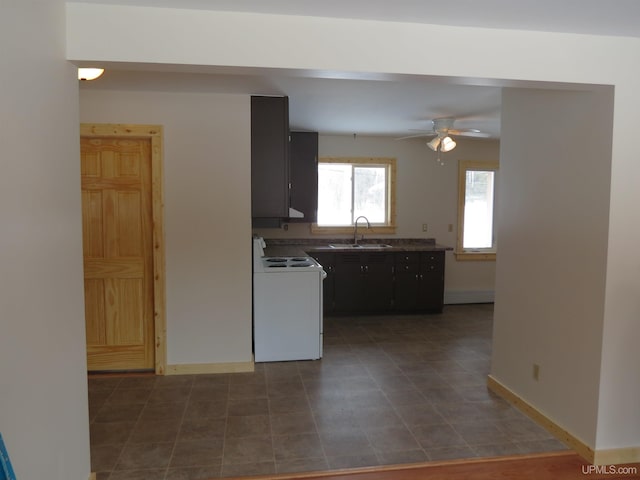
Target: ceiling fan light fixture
x=89, y=73
x=434, y=144
x=447, y=144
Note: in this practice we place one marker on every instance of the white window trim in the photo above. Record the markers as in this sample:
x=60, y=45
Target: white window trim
x=387, y=228
x=474, y=254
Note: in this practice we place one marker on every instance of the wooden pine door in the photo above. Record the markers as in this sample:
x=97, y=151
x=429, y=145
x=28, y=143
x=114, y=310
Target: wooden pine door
x=117, y=233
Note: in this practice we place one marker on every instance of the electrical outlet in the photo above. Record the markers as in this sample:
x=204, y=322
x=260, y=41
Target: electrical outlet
x=536, y=372
x=424, y=227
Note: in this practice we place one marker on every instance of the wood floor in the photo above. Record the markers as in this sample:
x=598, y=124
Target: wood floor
x=552, y=466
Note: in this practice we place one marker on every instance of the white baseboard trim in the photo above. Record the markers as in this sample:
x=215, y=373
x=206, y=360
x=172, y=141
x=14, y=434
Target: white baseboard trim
x=200, y=368
x=595, y=457
x=455, y=297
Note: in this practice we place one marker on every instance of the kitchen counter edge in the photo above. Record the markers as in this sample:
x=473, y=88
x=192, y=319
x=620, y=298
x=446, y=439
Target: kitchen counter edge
x=289, y=248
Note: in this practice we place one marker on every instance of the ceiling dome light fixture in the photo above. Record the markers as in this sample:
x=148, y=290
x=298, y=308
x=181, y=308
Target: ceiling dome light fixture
x=89, y=73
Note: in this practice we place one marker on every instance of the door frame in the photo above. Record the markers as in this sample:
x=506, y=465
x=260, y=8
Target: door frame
x=154, y=134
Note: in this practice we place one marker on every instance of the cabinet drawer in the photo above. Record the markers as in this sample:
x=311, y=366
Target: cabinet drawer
x=432, y=258
x=323, y=258
x=347, y=259
x=407, y=257
x=369, y=258
x=407, y=268
x=432, y=267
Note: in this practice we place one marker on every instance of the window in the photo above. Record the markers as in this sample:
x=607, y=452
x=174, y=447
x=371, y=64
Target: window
x=352, y=187
x=476, y=208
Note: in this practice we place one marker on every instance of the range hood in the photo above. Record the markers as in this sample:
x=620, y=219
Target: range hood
x=293, y=213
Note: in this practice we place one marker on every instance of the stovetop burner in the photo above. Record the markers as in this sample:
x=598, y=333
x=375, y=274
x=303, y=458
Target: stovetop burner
x=279, y=264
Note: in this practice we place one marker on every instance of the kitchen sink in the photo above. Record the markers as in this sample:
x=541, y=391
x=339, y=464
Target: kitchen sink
x=365, y=246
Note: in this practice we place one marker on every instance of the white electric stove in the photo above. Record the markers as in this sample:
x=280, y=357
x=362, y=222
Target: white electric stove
x=287, y=306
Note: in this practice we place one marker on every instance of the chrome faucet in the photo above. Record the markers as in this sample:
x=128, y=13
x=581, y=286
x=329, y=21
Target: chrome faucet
x=355, y=228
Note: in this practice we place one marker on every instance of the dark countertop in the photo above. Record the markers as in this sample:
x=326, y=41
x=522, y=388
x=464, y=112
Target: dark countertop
x=281, y=247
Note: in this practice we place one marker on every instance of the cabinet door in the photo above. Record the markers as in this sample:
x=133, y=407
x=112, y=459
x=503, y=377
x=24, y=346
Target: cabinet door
x=432, y=281
x=269, y=157
x=406, y=280
x=328, y=285
x=304, y=175
x=377, y=294
x=407, y=286
x=348, y=283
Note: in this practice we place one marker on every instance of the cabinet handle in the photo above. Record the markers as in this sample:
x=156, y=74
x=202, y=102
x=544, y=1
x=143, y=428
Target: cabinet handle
x=366, y=268
x=421, y=277
x=417, y=277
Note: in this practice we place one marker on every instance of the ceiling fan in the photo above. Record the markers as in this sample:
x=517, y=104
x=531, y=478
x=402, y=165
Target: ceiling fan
x=442, y=130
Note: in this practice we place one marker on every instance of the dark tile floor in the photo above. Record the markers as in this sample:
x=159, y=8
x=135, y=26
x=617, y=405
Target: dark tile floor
x=389, y=390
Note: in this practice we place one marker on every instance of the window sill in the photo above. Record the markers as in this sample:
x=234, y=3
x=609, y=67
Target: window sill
x=387, y=230
x=475, y=256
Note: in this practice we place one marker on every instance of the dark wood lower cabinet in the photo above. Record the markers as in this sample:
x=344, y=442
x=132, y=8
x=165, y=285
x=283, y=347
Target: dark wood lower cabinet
x=363, y=282
x=381, y=282
x=419, y=281
x=432, y=281
x=347, y=295
x=326, y=259
x=407, y=286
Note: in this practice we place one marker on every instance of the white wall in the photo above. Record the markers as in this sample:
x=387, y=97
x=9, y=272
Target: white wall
x=366, y=46
x=44, y=417
x=426, y=192
x=207, y=162
x=556, y=183
x=618, y=414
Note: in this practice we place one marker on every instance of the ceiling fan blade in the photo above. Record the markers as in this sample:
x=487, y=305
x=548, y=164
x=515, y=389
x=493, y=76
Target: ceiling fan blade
x=458, y=131
x=443, y=126
x=417, y=135
x=469, y=133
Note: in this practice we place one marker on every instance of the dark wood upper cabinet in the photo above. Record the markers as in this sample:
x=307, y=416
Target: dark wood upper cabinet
x=304, y=175
x=270, y=157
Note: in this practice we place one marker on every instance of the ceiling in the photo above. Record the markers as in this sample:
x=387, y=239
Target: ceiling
x=390, y=107
x=596, y=17
x=381, y=105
